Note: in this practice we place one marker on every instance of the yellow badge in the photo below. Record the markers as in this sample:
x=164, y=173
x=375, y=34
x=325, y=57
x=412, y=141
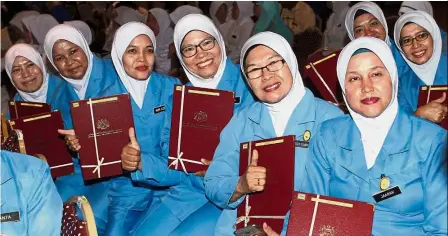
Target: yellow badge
x=384, y=183
x=306, y=135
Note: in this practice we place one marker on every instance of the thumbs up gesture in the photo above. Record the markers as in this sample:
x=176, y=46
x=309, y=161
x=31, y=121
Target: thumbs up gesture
x=130, y=154
x=255, y=177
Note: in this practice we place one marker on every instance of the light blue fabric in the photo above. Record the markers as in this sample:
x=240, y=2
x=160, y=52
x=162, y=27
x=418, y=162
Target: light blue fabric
x=409, y=84
x=129, y=200
x=27, y=188
x=254, y=123
x=186, y=194
x=413, y=157
x=103, y=82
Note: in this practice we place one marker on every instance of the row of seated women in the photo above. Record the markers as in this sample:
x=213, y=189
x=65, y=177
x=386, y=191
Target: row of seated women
x=347, y=155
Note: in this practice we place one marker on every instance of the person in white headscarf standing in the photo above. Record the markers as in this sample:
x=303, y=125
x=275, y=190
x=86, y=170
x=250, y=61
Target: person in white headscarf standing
x=380, y=150
x=185, y=208
x=82, y=27
x=38, y=26
x=160, y=23
x=16, y=22
x=182, y=11
x=419, y=40
x=335, y=33
x=89, y=77
x=221, y=14
x=133, y=55
x=242, y=12
x=284, y=107
x=366, y=19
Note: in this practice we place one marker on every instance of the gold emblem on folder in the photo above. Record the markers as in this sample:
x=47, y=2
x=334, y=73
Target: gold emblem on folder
x=326, y=230
x=200, y=116
x=102, y=124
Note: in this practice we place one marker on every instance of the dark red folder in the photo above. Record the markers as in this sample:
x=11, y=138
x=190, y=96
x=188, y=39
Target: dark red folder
x=317, y=215
x=198, y=117
x=19, y=109
x=430, y=93
x=102, y=128
x=40, y=134
x=271, y=205
x=322, y=72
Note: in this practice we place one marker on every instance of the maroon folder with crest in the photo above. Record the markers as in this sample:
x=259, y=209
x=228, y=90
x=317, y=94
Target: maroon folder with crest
x=19, y=109
x=277, y=156
x=430, y=93
x=102, y=128
x=322, y=72
x=316, y=215
x=198, y=117
x=40, y=133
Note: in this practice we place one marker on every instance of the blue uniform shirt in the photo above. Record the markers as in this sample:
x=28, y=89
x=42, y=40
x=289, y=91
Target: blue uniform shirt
x=254, y=123
x=30, y=203
x=413, y=157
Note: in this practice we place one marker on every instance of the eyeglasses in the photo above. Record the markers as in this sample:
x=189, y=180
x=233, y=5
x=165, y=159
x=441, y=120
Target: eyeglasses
x=410, y=40
x=206, y=45
x=271, y=67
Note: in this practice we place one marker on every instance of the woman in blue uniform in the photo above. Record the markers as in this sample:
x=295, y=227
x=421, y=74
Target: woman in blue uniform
x=379, y=148
x=366, y=19
x=26, y=69
x=30, y=202
x=89, y=77
x=285, y=107
x=133, y=53
x=419, y=40
x=184, y=208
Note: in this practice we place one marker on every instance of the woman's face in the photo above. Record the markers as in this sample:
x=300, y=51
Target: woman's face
x=221, y=13
x=138, y=58
x=206, y=61
x=70, y=60
x=153, y=24
x=26, y=75
x=235, y=11
x=416, y=43
x=269, y=76
x=368, y=25
x=368, y=86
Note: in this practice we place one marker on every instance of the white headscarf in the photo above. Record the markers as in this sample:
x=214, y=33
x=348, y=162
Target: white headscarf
x=335, y=32
x=373, y=130
x=31, y=54
x=17, y=19
x=127, y=14
x=214, y=6
x=69, y=33
x=202, y=23
x=124, y=35
x=246, y=9
x=281, y=111
x=407, y=6
x=369, y=7
x=82, y=27
x=40, y=25
x=165, y=38
x=182, y=11
x=427, y=71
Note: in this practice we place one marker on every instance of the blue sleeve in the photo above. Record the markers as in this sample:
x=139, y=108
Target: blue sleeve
x=434, y=179
x=44, y=204
x=403, y=95
x=222, y=176
x=155, y=169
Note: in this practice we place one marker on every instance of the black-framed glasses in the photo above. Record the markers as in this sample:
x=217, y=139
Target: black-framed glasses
x=422, y=36
x=271, y=67
x=206, y=45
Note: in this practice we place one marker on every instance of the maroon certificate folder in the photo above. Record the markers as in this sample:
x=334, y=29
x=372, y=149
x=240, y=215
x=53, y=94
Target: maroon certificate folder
x=19, y=109
x=102, y=128
x=322, y=72
x=271, y=205
x=40, y=134
x=430, y=93
x=317, y=215
x=198, y=117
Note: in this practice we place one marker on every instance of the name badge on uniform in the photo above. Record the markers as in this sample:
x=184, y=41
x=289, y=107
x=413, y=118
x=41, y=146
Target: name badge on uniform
x=237, y=100
x=386, y=194
x=159, y=109
x=10, y=217
x=306, y=140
